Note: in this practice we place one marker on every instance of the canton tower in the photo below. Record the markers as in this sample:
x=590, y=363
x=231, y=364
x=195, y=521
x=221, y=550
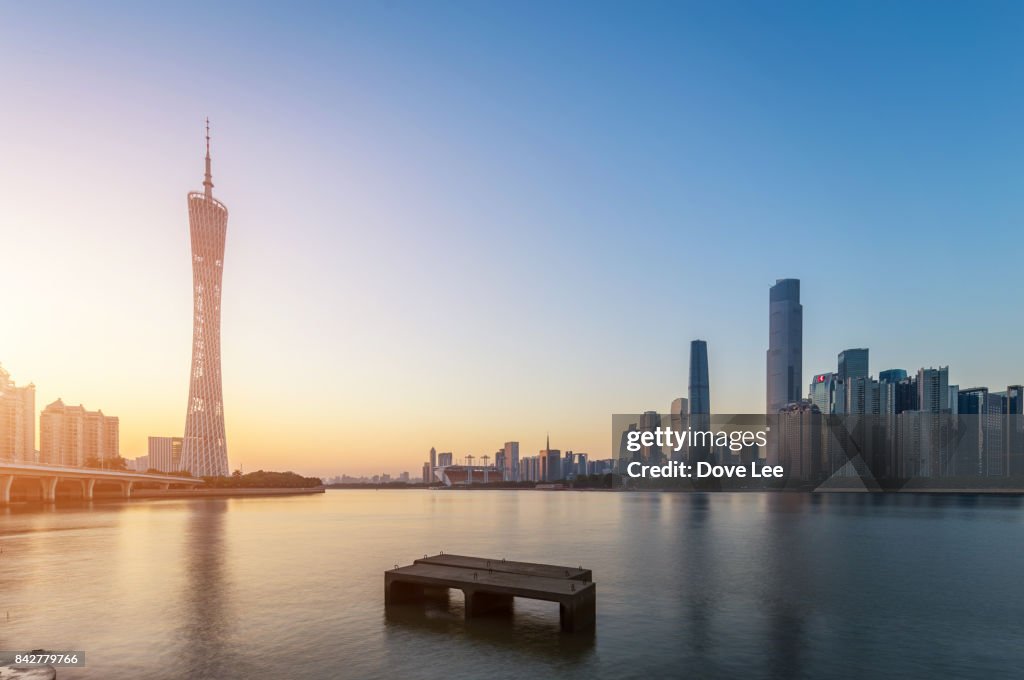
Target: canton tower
x=204, y=450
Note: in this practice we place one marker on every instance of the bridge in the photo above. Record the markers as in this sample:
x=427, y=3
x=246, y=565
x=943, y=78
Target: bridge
x=42, y=482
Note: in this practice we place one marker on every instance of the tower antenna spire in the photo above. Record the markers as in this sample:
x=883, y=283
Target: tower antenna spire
x=208, y=181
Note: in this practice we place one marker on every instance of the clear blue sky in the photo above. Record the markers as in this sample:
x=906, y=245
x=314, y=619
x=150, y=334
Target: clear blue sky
x=482, y=221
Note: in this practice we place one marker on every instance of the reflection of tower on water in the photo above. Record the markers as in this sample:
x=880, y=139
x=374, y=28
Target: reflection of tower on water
x=209, y=649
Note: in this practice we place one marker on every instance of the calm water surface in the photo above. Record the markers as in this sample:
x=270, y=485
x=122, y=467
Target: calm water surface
x=689, y=585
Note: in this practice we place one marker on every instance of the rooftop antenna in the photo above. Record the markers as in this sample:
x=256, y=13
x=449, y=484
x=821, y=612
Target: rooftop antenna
x=208, y=181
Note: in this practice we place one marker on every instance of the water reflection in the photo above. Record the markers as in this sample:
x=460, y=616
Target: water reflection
x=207, y=649
x=785, y=587
x=697, y=574
x=688, y=585
x=532, y=634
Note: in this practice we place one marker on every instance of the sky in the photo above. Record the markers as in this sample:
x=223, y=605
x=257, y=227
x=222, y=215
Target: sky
x=454, y=224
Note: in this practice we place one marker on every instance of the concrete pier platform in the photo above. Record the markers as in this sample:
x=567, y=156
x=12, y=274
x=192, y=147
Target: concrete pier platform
x=490, y=585
x=508, y=566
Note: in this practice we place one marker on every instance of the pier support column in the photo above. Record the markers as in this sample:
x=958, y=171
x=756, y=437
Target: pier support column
x=6, y=482
x=164, y=486
x=49, y=486
x=580, y=613
x=482, y=603
x=126, y=489
x=87, y=488
x=398, y=592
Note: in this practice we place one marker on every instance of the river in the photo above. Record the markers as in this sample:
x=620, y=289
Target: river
x=759, y=585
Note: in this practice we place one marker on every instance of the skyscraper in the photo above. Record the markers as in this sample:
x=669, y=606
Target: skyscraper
x=70, y=435
x=700, y=392
x=650, y=421
x=205, y=452
x=512, y=461
x=822, y=392
x=17, y=420
x=785, y=344
x=906, y=394
x=862, y=396
x=933, y=389
x=981, y=451
x=853, y=363
x=679, y=413
x=889, y=397
x=892, y=375
x=700, y=400
x=550, y=462
x=428, y=478
x=799, y=448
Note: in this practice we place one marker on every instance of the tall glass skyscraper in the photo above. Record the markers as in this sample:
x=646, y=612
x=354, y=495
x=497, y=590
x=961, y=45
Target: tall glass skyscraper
x=700, y=392
x=204, y=450
x=853, y=363
x=785, y=344
x=700, y=399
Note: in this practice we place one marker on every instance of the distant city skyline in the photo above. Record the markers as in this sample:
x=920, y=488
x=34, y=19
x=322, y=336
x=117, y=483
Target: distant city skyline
x=409, y=211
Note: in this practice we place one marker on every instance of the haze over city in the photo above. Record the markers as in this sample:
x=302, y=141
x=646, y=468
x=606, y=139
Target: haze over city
x=454, y=243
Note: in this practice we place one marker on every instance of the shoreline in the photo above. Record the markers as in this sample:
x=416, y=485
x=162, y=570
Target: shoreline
x=988, y=492
x=148, y=494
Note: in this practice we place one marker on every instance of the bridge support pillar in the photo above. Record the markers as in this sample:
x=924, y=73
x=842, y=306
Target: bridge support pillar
x=87, y=488
x=6, y=482
x=49, y=485
x=165, y=486
x=126, y=489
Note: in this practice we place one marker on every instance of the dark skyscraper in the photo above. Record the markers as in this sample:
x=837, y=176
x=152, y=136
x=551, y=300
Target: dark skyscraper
x=785, y=344
x=892, y=375
x=890, y=400
x=933, y=389
x=550, y=462
x=204, y=451
x=700, y=398
x=853, y=363
x=906, y=394
x=700, y=392
x=981, y=450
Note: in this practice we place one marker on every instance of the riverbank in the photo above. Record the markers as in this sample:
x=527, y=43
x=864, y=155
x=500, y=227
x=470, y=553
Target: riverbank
x=225, y=492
